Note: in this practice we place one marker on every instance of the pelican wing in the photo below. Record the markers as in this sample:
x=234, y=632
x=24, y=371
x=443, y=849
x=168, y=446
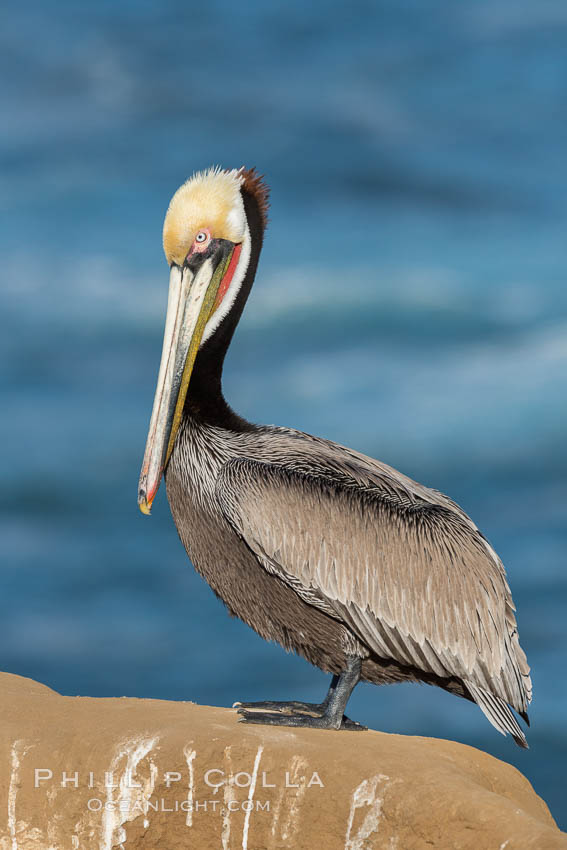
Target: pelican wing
x=412, y=576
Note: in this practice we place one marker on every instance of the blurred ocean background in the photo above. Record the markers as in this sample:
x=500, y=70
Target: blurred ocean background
x=411, y=302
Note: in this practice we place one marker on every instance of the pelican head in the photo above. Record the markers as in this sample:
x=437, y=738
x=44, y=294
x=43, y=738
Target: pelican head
x=207, y=244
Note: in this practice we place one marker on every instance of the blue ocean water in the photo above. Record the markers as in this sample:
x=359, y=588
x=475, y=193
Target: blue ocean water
x=411, y=302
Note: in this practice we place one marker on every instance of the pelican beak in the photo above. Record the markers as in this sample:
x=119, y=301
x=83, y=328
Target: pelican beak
x=194, y=295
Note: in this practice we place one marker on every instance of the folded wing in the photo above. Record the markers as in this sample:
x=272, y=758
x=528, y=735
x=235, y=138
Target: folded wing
x=414, y=579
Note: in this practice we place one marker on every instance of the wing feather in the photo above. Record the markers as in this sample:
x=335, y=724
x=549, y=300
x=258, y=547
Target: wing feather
x=413, y=578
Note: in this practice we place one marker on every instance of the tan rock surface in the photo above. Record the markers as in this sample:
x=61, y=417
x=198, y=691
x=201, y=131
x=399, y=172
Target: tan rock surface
x=249, y=787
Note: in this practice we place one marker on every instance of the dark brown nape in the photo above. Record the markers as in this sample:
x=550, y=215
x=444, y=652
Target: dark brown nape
x=253, y=184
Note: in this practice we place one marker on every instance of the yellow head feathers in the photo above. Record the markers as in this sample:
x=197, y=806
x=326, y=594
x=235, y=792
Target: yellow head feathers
x=210, y=199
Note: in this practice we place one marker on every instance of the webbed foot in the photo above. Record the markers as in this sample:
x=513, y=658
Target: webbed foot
x=284, y=707
x=328, y=715
x=324, y=721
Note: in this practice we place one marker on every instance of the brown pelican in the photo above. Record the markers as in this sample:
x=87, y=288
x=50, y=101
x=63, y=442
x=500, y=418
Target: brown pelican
x=362, y=571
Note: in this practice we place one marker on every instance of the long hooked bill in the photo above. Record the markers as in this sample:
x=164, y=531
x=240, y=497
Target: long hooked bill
x=192, y=300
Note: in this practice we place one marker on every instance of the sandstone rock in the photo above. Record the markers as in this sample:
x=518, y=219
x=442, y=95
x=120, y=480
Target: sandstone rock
x=180, y=775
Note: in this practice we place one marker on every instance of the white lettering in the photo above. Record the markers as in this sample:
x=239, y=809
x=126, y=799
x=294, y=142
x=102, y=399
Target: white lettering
x=208, y=775
x=289, y=784
x=315, y=780
x=172, y=776
x=73, y=779
x=265, y=783
x=130, y=782
x=40, y=775
x=247, y=779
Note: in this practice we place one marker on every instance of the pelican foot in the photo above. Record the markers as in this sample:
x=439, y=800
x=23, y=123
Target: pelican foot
x=285, y=707
x=264, y=718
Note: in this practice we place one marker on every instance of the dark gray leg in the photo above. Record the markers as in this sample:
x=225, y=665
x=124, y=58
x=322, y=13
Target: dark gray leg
x=293, y=705
x=332, y=715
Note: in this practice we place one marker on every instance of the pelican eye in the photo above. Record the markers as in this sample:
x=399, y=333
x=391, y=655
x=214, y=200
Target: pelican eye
x=200, y=242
